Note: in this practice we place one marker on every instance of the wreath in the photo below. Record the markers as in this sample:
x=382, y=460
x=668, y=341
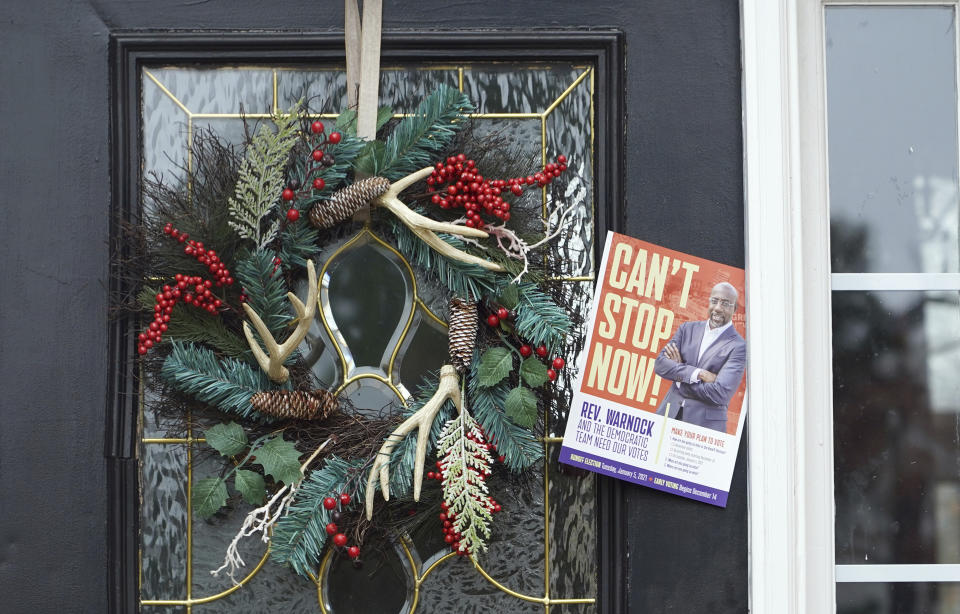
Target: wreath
x=222, y=255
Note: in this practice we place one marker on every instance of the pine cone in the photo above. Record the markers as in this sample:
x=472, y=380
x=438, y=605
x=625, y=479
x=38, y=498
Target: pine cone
x=462, y=332
x=296, y=404
x=344, y=203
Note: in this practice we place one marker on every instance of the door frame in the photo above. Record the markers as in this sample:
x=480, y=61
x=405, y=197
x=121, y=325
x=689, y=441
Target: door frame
x=130, y=51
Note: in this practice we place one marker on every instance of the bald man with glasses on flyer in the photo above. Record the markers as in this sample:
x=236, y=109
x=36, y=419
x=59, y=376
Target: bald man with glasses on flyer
x=705, y=360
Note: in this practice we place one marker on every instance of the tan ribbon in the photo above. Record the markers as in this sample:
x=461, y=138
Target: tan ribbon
x=363, y=63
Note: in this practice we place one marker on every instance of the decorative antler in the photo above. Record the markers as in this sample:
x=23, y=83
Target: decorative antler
x=278, y=353
x=425, y=228
x=448, y=388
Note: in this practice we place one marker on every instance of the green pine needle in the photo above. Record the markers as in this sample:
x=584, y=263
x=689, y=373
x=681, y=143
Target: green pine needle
x=418, y=138
x=224, y=383
x=539, y=319
x=518, y=446
x=263, y=282
x=465, y=280
x=300, y=535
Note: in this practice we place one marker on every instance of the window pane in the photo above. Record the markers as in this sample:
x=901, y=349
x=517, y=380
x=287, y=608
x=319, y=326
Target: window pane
x=383, y=332
x=896, y=426
x=892, y=121
x=898, y=598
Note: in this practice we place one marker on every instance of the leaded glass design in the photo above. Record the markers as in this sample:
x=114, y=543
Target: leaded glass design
x=381, y=326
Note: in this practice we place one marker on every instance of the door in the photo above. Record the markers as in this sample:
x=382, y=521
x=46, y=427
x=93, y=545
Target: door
x=681, y=146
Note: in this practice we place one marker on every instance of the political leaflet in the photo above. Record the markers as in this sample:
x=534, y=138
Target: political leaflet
x=660, y=393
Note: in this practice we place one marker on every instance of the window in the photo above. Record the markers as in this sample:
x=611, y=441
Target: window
x=374, y=352
x=851, y=123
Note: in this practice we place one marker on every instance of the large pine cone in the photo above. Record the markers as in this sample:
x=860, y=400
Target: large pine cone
x=295, y=404
x=344, y=203
x=462, y=333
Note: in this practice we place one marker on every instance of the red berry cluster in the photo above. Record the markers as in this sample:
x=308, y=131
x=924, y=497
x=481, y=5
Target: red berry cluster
x=458, y=184
x=322, y=159
x=194, y=290
x=207, y=257
x=541, y=350
x=339, y=539
x=527, y=350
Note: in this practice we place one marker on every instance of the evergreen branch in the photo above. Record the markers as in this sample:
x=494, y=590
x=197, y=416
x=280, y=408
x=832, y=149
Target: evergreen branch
x=225, y=383
x=518, y=446
x=261, y=179
x=191, y=324
x=539, y=319
x=263, y=283
x=468, y=281
x=418, y=138
x=466, y=464
x=299, y=537
x=298, y=243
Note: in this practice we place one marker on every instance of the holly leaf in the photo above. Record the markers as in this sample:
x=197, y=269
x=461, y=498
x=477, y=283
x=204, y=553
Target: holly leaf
x=533, y=372
x=384, y=114
x=251, y=486
x=229, y=438
x=279, y=458
x=521, y=407
x=495, y=364
x=208, y=496
x=510, y=296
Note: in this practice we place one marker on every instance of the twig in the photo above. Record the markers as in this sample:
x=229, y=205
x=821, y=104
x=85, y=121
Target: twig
x=262, y=519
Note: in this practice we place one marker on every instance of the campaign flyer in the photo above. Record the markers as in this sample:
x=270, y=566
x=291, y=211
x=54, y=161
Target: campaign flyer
x=660, y=393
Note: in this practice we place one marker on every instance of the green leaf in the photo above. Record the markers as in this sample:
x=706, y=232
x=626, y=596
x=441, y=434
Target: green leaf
x=347, y=122
x=384, y=114
x=366, y=161
x=208, y=495
x=510, y=296
x=279, y=458
x=250, y=484
x=533, y=372
x=495, y=364
x=521, y=407
x=229, y=438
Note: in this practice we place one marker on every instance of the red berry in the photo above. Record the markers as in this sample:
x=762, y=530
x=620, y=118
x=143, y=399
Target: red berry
x=431, y=475
x=316, y=127
x=319, y=184
x=493, y=320
x=558, y=363
x=334, y=137
x=340, y=540
x=331, y=528
x=293, y=215
x=562, y=159
x=317, y=155
x=287, y=194
x=541, y=351
x=353, y=552
x=502, y=313
x=329, y=503
x=344, y=499
x=501, y=458
x=551, y=374
x=525, y=350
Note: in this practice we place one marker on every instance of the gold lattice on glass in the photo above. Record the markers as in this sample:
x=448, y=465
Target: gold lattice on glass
x=420, y=571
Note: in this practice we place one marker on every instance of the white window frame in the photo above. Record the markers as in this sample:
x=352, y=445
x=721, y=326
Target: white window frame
x=792, y=565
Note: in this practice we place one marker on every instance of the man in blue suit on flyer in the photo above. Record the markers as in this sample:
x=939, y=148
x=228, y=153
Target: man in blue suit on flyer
x=705, y=360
